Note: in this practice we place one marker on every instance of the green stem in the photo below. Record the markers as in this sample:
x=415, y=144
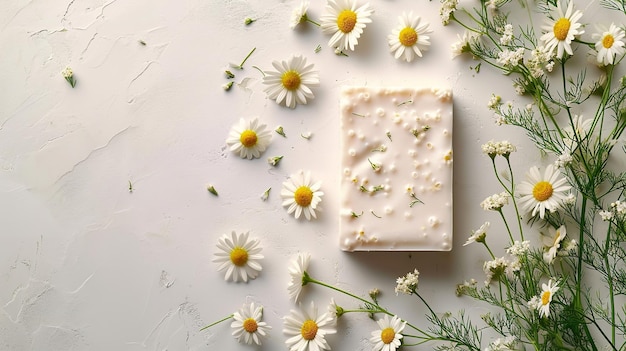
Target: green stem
x=246, y=59
x=517, y=214
x=218, y=322
x=306, y=18
x=609, y=279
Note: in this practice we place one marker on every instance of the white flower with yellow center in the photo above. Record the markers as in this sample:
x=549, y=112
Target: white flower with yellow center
x=542, y=302
x=298, y=15
x=552, y=243
x=239, y=257
x=247, y=324
x=345, y=20
x=541, y=193
x=249, y=138
x=387, y=338
x=291, y=82
x=297, y=269
x=609, y=44
x=479, y=235
x=561, y=29
x=410, y=37
x=301, y=195
x=307, y=329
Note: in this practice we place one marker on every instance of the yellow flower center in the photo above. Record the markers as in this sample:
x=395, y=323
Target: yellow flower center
x=608, y=41
x=309, y=329
x=291, y=80
x=248, y=138
x=250, y=325
x=545, y=297
x=408, y=36
x=561, y=28
x=542, y=191
x=303, y=196
x=387, y=335
x=346, y=21
x=239, y=256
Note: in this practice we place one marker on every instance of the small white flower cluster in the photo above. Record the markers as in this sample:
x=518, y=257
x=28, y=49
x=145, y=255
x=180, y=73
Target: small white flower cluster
x=540, y=59
x=564, y=160
x=518, y=248
x=503, y=344
x=617, y=208
x=510, y=59
x=408, y=283
x=494, y=269
x=507, y=34
x=495, y=202
x=502, y=148
x=494, y=102
x=447, y=8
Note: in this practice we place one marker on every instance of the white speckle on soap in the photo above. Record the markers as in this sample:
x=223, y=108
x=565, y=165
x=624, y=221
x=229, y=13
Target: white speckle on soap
x=433, y=221
x=429, y=146
x=392, y=167
x=414, y=175
x=352, y=152
x=388, y=210
x=380, y=112
x=346, y=171
x=351, y=133
x=408, y=215
x=411, y=153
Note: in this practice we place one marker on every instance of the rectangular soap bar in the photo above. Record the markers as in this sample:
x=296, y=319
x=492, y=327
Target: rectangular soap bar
x=396, y=163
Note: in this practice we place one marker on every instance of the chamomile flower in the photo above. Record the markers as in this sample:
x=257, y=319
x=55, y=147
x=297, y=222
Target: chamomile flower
x=297, y=269
x=561, y=29
x=609, y=44
x=479, y=235
x=239, y=256
x=387, y=338
x=299, y=14
x=301, y=195
x=410, y=37
x=291, y=82
x=345, y=20
x=542, y=302
x=249, y=138
x=247, y=324
x=306, y=329
x=541, y=193
x=552, y=243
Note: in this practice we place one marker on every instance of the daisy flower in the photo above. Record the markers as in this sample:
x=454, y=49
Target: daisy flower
x=387, y=338
x=249, y=138
x=239, y=257
x=247, y=324
x=345, y=21
x=552, y=243
x=542, y=303
x=301, y=195
x=299, y=15
x=609, y=44
x=409, y=38
x=478, y=236
x=306, y=329
x=291, y=81
x=561, y=29
x=297, y=270
x=541, y=193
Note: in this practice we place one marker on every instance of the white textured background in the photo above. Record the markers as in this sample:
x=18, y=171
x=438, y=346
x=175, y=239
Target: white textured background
x=87, y=265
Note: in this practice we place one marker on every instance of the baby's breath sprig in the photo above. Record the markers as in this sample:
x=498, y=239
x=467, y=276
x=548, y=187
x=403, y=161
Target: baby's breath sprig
x=375, y=166
x=248, y=21
x=68, y=74
x=356, y=215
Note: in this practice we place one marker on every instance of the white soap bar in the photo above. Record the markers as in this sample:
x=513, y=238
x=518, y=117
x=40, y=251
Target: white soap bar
x=396, y=163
